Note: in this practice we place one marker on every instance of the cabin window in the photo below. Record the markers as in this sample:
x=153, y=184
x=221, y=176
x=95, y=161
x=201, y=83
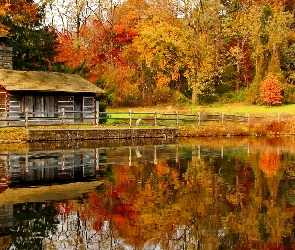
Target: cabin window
x=66, y=102
x=88, y=104
x=88, y=108
x=14, y=104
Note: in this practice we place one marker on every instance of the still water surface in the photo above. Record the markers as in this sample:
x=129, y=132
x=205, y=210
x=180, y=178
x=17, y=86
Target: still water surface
x=226, y=193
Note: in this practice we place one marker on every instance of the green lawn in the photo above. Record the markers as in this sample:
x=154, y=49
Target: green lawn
x=248, y=109
x=120, y=116
x=228, y=109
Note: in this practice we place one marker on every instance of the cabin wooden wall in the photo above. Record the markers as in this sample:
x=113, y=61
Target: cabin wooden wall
x=3, y=104
x=49, y=105
x=42, y=105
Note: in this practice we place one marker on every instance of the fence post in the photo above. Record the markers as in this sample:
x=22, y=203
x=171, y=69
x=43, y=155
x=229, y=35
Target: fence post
x=222, y=117
x=155, y=118
x=26, y=118
x=130, y=118
x=96, y=122
x=199, y=118
x=96, y=118
x=63, y=116
x=177, y=119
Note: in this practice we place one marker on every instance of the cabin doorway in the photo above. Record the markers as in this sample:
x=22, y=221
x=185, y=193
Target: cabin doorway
x=78, y=108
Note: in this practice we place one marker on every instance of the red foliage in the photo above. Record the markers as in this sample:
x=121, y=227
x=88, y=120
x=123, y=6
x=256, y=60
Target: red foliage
x=93, y=47
x=246, y=71
x=270, y=90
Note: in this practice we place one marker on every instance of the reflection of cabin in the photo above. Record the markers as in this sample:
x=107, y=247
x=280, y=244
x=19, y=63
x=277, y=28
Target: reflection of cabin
x=41, y=167
x=44, y=94
x=6, y=223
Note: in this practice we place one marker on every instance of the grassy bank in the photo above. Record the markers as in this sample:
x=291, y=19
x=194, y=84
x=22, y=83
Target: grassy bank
x=265, y=128
x=210, y=129
x=269, y=126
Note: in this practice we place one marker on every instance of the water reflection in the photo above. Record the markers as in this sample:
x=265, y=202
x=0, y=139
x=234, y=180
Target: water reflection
x=233, y=193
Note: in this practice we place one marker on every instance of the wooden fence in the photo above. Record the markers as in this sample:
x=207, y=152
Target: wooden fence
x=132, y=119
x=27, y=118
x=128, y=118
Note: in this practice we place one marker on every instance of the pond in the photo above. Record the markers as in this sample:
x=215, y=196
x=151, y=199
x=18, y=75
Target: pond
x=207, y=193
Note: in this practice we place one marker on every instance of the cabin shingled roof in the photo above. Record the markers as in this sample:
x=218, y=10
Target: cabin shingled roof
x=14, y=80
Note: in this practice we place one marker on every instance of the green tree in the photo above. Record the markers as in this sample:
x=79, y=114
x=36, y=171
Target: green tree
x=33, y=43
x=203, y=20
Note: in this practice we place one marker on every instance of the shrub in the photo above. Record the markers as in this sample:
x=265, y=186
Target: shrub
x=288, y=93
x=270, y=90
x=234, y=96
x=253, y=94
x=163, y=95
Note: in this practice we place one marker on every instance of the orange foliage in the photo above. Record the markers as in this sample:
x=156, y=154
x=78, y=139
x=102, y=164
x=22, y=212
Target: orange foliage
x=269, y=163
x=162, y=169
x=93, y=49
x=18, y=11
x=264, y=2
x=270, y=90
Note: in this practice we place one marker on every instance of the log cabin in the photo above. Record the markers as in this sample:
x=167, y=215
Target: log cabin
x=43, y=94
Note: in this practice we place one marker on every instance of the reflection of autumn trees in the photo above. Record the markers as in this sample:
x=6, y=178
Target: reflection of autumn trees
x=265, y=218
x=32, y=222
x=269, y=163
x=240, y=199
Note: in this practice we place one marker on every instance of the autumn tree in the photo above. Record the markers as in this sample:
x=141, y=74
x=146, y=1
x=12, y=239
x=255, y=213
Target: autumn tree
x=270, y=90
x=195, y=19
x=34, y=44
x=145, y=52
x=18, y=11
x=162, y=46
x=197, y=61
x=70, y=16
x=100, y=50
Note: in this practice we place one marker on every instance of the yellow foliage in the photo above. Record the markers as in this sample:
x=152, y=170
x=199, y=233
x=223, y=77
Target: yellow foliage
x=162, y=80
x=162, y=169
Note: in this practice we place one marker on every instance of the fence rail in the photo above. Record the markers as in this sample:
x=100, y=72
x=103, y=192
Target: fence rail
x=28, y=118
x=127, y=118
x=176, y=119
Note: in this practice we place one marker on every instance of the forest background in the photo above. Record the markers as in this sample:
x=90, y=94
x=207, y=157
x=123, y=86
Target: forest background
x=148, y=52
